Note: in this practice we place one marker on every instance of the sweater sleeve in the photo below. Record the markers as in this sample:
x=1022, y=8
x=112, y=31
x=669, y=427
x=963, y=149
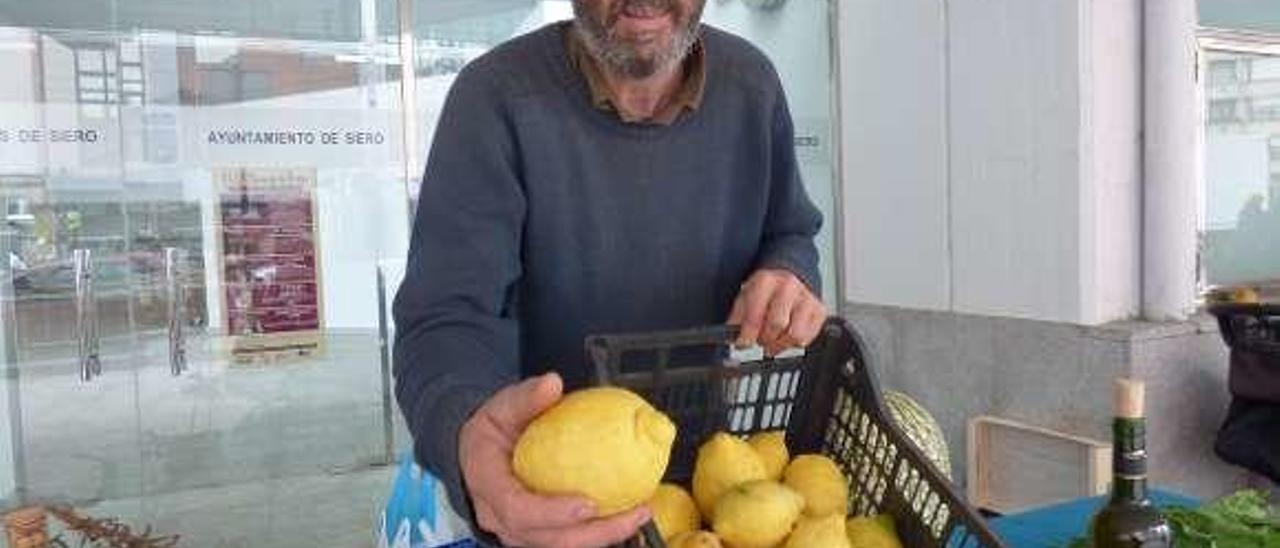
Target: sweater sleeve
x=456, y=338
x=792, y=220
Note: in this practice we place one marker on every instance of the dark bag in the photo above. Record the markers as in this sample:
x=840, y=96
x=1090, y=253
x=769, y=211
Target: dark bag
x=1250, y=436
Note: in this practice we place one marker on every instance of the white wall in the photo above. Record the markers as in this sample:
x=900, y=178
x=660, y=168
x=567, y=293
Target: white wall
x=1014, y=173
x=893, y=101
x=990, y=160
x=1112, y=184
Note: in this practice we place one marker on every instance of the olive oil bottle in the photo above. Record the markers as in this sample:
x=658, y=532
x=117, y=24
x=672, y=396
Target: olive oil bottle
x=1129, y=519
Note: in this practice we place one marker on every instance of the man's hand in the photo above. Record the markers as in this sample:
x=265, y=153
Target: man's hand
x=502, y=505
x=776, y=311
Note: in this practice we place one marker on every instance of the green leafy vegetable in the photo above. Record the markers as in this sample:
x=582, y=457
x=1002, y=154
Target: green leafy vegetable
x=1243, y=519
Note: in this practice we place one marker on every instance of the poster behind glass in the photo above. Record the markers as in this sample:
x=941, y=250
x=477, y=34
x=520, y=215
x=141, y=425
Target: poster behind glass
x=271, y=278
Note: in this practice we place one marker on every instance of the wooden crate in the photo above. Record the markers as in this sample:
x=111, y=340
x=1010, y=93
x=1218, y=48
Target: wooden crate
x=1014, y=466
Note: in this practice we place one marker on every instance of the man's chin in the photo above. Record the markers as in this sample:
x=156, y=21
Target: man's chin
x=650, y=49
x=635, y=69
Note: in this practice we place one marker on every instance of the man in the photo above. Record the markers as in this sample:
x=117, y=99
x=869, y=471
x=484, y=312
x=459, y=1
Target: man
x=631, y=170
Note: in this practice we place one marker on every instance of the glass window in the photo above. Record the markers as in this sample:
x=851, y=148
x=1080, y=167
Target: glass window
x=89, y=60
x=229, y=176
x=1222, y=71
x=1241, y=198
x=1250, y=15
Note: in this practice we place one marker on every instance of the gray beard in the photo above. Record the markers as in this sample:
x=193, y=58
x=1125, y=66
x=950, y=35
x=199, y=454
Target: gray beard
x=621, y=60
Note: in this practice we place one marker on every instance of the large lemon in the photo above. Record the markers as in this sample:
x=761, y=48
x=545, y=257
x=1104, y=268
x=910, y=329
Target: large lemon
x=825, y=532
x=819, y=480
x=607, y=444
x=872, y=532
x=757, y=514
x=695, y=539
x=674, y=511
x=723, y=462
x=772, y=448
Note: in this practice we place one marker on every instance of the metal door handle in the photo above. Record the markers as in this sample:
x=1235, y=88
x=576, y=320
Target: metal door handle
x=175, y=290
x=86, y=316
x=384, y=348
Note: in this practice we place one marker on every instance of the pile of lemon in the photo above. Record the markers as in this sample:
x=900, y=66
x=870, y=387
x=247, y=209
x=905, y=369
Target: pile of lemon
x=754, y=495
x=610, y=445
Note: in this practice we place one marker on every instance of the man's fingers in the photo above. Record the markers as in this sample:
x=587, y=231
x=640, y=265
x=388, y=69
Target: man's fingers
x=755, y=297
x=595, y=533
x=777, y=317
x=527, y=511
x=504, y=505
x=806, y=322
x=739, y=310
x=485, y=517
x=803, y=325
x=812, y=324
x=488, y=520
x=514, y=406
x=485, y=454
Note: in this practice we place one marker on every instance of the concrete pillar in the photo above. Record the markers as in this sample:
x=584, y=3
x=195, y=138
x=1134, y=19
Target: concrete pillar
x=1170, y=159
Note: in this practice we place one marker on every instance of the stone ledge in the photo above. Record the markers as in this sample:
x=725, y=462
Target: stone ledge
x=1119, y=331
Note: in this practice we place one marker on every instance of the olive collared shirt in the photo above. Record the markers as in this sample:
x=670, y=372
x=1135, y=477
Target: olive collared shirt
x=687, y=98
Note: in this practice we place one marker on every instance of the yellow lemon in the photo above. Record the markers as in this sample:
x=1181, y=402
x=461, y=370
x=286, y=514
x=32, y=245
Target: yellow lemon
x=674, y=511
x=819, y=480
x=1239, y=295
x=757, y=514
x=772, y=448
x=695, y=539
x=828, y=532
x=872, y=532
x=1245, y=295
x=723, y=462
x=606, y=444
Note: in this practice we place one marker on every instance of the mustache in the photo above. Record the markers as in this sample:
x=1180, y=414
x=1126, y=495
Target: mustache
x=657, y=4
x=671, y=6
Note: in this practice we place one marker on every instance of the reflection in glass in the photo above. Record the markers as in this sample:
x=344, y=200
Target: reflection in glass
x=1241, y=208
x=112, y=118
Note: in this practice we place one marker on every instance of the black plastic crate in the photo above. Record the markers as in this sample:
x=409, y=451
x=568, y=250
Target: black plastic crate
x=1251, y=327
x=1252, y=331
x=827, y=400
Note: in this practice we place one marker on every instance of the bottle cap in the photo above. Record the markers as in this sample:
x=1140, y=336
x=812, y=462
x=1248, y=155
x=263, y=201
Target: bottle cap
x=1129, y=398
